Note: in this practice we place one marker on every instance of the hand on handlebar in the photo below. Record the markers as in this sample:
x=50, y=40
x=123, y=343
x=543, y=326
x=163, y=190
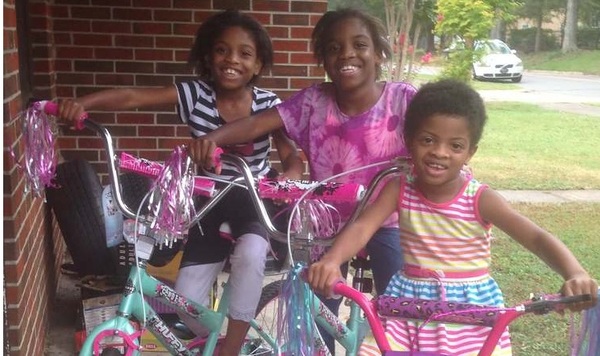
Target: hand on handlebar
x=73, y=112
x=578, y=285
x=323, y=275
x=203, y=153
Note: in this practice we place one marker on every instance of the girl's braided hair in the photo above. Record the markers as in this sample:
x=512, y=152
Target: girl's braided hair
x=213, y=27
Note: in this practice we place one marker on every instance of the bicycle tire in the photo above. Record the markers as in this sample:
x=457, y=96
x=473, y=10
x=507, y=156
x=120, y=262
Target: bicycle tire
x=266, y=317
x=77, y=204
x=134, y=189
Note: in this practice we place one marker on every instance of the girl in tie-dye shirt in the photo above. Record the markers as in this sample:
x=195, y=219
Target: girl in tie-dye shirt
x=352, y=121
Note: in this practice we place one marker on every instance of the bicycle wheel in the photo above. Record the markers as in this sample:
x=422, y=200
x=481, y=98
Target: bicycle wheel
x=266, y=318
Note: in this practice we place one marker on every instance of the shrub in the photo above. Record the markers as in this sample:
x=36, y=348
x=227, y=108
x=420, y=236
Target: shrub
x=588, y=38
x=524, y=40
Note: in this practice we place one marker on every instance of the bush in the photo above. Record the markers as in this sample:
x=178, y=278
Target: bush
x=524, y=40
x=588, y=38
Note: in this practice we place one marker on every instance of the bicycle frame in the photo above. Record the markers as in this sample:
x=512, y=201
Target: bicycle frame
x=478, y=315
x=133, y=304
x=140, y=283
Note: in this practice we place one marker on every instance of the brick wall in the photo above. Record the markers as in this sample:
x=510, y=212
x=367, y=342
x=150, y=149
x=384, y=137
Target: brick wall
x=147, y=44
x=80, y=46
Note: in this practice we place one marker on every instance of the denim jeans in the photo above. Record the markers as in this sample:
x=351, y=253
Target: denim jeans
x=386, y=259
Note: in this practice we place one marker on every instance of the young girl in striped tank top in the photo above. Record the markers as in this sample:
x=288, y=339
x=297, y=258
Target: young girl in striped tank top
x=445, y=218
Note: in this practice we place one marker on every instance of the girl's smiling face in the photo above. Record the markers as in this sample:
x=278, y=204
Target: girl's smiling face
x=350, y=56
x=439, y=149
x=234, y=60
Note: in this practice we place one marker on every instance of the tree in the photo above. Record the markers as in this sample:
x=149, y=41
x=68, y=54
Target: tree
x=570, y=39
x=540, y=11
x=466, y=21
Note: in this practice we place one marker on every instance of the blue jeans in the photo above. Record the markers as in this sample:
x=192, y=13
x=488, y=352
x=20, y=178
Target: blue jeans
x=386, y=259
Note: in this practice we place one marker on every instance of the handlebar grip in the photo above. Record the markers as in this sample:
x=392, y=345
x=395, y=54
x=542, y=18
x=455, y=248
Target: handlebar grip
x=51, y=108
x=216, y=158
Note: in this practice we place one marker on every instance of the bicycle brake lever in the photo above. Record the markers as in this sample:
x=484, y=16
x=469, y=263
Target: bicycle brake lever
x=541, y=305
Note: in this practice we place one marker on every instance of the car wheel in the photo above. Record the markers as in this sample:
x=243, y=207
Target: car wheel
x=516, y=79
x=473, y=75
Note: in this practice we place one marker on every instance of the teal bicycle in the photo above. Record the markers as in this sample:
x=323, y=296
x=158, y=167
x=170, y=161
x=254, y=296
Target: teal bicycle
x=121, y=334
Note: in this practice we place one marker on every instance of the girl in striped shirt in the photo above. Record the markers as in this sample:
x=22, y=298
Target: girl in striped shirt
x=230, y=52
x=445, y=218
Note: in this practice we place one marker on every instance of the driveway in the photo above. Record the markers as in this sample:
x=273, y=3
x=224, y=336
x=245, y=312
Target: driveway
x=561, y=91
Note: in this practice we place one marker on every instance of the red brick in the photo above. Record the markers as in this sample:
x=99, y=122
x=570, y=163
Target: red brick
x=90, y=12
x=132, y=14
x=186, y=29
x=291, y=45
x=72, y=26
x=75, y=52
x=134, y=67
x=150, y=28
x=270, y=5
x=309, y=6
x=303, y=58
x=95, y=40
x=278, y=31
x=301, y=32
x=153, y=55
x=291, y=19
x=113, y=53
x=173, y=16
x=290, y=70
x=175, y=42
x=134, y=41
x=156, y=131
x=133, y=143
x=112, y=27
x=243, y=5
x=115, y=79
x=76, y=78
x=153, y=80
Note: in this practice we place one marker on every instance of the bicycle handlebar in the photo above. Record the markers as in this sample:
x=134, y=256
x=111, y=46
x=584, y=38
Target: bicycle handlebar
x=246, y=179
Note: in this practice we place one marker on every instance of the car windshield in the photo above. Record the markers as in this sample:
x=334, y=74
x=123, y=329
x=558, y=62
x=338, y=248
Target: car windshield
x=495, y=47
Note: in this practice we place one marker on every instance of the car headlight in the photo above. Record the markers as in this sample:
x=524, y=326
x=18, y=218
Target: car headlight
x=519, y=64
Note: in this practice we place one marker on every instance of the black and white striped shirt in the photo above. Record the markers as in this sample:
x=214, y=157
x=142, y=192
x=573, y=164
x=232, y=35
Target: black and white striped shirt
x=197, y=107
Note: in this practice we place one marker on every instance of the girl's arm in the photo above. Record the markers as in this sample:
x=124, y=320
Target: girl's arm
x=239, y=131
x=293, y=167
x=496, y=210
x=117, y=99
x=354, y=237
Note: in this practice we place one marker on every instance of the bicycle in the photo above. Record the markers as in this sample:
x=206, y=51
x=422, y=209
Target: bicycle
x=122, y=332
x=364, y=312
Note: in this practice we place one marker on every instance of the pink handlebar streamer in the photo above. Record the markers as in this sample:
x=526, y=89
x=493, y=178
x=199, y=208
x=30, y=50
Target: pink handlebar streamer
x=171, y=199
x=39, y=153
x=202, y=185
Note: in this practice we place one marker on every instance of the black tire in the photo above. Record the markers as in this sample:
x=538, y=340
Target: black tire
x=517, y=79
x=134, y=190
x=77, y=205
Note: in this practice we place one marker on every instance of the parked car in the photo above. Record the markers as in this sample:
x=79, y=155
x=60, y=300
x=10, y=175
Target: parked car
x=498, y=61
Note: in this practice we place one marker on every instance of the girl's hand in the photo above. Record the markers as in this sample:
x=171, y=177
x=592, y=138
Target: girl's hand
x=71, y=111
x=323, y=274
x=202, y=151
x=581, y=284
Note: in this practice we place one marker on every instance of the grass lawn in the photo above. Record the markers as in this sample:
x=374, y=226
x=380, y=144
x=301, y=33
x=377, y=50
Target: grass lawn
x=519, y=272
x=527, y=147
x=584, y=61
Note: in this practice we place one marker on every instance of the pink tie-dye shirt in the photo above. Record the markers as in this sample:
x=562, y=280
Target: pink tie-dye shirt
x=335, y=142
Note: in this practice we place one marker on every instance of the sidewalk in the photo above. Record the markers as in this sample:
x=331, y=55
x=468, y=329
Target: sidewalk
x=60, y=335
x=551, y=196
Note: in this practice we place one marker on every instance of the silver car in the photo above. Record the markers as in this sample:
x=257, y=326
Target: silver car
x=498, y=61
